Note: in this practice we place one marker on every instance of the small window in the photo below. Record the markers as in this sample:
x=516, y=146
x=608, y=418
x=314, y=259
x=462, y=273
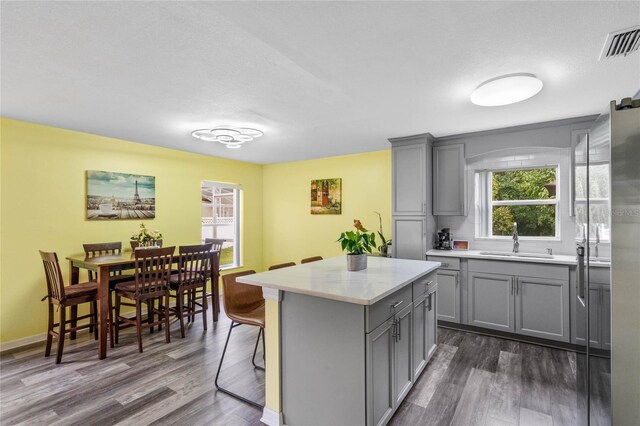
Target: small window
x=527, y=197
x=221, y=219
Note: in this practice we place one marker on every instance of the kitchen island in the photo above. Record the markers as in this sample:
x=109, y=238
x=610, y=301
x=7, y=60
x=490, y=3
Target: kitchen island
x=351, y=343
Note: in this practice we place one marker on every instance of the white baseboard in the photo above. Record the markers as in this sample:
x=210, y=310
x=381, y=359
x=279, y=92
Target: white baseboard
x=271, y=418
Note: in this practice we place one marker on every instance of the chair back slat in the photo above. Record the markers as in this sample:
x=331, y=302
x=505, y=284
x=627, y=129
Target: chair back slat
x=153, y=268
x=55, y=283
x=311, y=259
x=99, y=249
x=216, y=243
x=238, y=297
x=195, y=263
x=282, y=265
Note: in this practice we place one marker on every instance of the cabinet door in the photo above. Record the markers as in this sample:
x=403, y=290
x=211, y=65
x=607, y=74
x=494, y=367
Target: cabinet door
x=605, y=317
x=409, y=237
x=403, y=355
x=542, y=308
x=448, y=296
x=594, y=319
x=380, y=375
x=431, y=326
x=409, y=180
x=490, y=301
x=420, y=331
x=449, y=183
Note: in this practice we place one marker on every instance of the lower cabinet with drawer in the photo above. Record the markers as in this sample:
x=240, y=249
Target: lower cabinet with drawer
x=448, y=278
x=531, y=300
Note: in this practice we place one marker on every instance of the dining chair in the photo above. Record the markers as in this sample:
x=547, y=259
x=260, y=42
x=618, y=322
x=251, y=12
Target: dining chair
x=244, y=305
x=282, y=265
x=311, y=259
x=151, y=283
x=63, y=297
x=215, y=301
x=190, y=281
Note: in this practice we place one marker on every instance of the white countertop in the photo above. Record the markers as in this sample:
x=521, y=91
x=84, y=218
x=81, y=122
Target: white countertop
x=558, y=259
x=329, y=278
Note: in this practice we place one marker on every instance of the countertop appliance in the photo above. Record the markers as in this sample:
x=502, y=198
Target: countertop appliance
x=607, y=206
x=445, y=240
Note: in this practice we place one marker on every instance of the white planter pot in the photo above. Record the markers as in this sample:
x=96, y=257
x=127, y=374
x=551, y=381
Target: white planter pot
x=356, y=262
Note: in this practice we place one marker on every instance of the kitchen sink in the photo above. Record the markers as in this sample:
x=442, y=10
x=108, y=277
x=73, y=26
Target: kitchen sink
x=510, y=254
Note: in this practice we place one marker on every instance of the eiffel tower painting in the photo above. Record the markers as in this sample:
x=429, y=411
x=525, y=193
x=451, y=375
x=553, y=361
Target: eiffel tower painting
x=113, y=195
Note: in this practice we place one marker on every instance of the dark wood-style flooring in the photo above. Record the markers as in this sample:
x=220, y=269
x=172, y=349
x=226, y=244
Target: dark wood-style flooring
x=472, y=380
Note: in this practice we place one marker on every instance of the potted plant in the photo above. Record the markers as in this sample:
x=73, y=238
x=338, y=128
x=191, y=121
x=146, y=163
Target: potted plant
x=144, y=237
x=383, y=248
x=357, y=244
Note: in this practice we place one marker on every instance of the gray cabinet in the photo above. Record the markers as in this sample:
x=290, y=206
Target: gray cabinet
x=380, y=375
x=409, y=237
x=491, y=301
x=425, y=330
x=599, y=310
x=449, y=180
x=448, y=306
x=542, y=308
x=409, y=195
x=431, y=323
x=403, y=356
x=413, y=223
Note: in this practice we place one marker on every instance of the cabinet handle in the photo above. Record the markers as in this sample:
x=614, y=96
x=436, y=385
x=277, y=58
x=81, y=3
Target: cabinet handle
x=399, y=330
x=428, y=283
x=429, y=307
x=457, y=281
x=511, y=286
x=396, y=304
x=517, y=286
x=424, y=206
x=444, y=265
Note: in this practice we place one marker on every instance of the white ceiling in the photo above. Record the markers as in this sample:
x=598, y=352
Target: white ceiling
x=320, y=78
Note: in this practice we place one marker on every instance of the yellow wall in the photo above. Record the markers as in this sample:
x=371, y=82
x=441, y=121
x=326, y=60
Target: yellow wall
x=292, y=233
x=43, y=206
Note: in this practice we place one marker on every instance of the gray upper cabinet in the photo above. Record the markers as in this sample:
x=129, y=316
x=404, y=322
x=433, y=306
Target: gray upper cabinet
x=542, y=308
x=449, y=180
x=490, y=303
x=409, y=186
x=409, y=237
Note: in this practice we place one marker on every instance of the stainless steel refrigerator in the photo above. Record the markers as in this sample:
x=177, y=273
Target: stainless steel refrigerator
x=607, y=305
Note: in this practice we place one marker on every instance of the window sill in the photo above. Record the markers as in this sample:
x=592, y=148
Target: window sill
x=230, y=267
x=541, y=239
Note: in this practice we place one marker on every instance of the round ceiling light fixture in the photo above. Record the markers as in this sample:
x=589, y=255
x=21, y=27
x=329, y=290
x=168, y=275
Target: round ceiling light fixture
x=506, y=89
x=231, y=137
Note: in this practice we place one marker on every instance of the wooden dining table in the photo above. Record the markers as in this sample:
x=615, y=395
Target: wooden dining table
x=104, y=265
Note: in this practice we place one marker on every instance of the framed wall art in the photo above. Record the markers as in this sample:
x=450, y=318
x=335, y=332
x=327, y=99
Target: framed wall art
x=112, y=195
x=326, y=196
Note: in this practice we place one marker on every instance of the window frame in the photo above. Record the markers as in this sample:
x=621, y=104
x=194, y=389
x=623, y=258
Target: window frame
x=237, y=193
x=485, y=203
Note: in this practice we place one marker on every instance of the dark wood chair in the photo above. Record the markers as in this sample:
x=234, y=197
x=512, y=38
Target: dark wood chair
x=63, y=297
x=136, y=244
x=191, y=281
x=151, y=283
x=215, y=285
x=282, y=265
x=311, y=259
x=243, y=304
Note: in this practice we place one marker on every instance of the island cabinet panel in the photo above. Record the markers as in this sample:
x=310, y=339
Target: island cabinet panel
x=491, y=301
x=419, y=334
x=380, y=373
x=542, y=308
x=403, y=355
x=387, y=307
x=431, y=322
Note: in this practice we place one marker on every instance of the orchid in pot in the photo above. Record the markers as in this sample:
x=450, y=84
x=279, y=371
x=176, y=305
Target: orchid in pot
x=357, y=244
x=383, y=248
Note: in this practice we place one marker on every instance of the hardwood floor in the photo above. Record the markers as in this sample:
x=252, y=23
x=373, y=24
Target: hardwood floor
x=471, y=380
x=167, y=384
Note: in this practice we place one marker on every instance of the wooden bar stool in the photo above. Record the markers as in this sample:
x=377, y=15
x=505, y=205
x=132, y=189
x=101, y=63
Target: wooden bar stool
x=282, y=265
x=63, y=297
x=311, y=259
x=216, y=245
x=243, y=304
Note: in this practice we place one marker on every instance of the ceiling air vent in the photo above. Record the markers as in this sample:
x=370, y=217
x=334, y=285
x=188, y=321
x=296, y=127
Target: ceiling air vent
x=621, y=43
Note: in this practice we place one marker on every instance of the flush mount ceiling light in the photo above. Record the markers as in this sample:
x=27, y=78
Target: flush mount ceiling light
x=231, y=137
x=506, y=89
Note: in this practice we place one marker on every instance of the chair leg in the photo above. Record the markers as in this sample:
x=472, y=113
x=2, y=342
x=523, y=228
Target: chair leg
x=166, y=317
x=204, y=309
x=94, y=319
x=180, y=310
x=110, y=318
x=264, y=350
x=150, y=306
x=139, y=324
x=220, y=388
x=92, y=310
x=117, y=318
x=253, y=358
x=47, y=350
x=61, y=333
x=74, y=321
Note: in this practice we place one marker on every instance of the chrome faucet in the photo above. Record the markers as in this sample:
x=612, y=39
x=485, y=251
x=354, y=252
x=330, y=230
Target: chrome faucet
x=516, y=244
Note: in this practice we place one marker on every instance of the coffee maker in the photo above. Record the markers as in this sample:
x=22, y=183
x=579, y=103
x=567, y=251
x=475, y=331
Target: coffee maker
x=445, y=240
